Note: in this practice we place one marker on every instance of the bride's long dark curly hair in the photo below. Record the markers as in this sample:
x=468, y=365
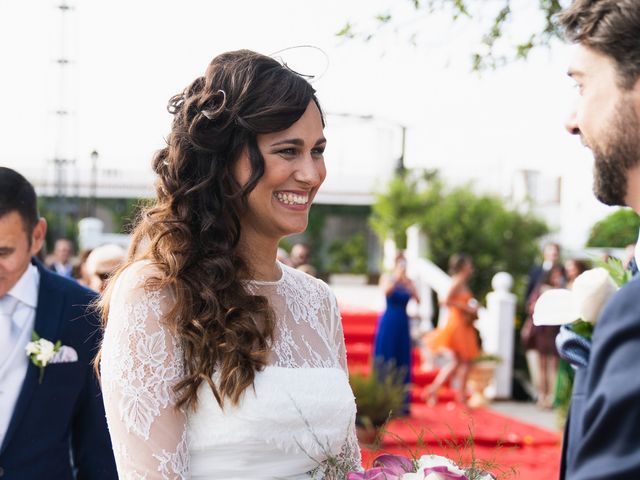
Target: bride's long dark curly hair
x=191, y=232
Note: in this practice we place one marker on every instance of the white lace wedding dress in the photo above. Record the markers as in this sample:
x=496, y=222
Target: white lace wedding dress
x=296, y=420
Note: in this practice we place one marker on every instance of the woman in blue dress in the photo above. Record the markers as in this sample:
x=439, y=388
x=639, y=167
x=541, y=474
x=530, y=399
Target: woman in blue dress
x=392, y=346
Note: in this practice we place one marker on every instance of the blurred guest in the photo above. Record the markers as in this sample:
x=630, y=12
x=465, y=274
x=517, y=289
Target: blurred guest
x=392, y=346
x=80, y=268
x=308, y=269
x=458, y=339
x=101, y=263
x=61, y=258
x=283, y=256
x=542, y=339
x=572, y=269
x=550, y=257
x=300, y=254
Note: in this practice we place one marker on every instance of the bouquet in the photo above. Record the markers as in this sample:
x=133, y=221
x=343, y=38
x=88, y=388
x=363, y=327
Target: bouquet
x=427, y=467
x=580, y=307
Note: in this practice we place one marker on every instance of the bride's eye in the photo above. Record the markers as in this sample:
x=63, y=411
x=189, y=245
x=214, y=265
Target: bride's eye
x=287, y=152
x=318, y=151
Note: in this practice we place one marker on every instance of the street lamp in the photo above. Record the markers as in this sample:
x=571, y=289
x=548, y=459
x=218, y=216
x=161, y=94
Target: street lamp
x=94, y=183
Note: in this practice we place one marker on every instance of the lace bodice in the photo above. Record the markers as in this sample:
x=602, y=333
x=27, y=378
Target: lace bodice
x=300, y=411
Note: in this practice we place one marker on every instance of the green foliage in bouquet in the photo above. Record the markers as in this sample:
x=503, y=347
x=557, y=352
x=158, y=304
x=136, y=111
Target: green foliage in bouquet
x=617, y=272
x=378, y=395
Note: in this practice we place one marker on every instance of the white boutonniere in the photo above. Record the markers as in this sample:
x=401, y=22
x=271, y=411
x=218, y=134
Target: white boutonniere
x=41, y=351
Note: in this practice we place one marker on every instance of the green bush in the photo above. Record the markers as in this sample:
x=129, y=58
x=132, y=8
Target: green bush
x=348, y=256
x=616, y=230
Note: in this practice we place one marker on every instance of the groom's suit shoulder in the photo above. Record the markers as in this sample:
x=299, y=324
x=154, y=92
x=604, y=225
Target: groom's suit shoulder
x=50, y=279
x=604, y=439
x=78, y=312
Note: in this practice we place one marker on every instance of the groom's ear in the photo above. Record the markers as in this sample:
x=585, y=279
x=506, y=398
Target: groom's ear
x=38, y=236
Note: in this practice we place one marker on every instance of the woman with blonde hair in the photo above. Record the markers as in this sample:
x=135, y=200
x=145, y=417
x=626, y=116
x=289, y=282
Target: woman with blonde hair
x=219, y=361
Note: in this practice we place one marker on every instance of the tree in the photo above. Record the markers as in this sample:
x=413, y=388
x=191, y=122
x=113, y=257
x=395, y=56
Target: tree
x=499, y=33
x=403, y=204
x=459, y=220
x=496, y=237
x=616, y=230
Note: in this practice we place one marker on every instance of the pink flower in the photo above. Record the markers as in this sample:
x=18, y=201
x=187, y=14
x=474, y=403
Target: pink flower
x=442, y=473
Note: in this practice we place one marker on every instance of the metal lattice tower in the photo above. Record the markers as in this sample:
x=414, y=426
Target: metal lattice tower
x=62, y=160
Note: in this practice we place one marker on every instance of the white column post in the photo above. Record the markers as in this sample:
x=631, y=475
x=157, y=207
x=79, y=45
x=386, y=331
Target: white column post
x=417, y=248
x=90, y=233
x=389, y=254
x=497, y=330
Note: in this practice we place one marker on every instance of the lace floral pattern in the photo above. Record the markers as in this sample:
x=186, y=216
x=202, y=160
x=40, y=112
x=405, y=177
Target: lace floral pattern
x=174, y=463
x=142, y=362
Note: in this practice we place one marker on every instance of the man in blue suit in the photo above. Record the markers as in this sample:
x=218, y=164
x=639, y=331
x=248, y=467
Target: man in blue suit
x=603, y=433
x=52, y=420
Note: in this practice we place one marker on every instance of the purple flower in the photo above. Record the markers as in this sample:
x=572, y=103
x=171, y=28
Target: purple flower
x=385, y=467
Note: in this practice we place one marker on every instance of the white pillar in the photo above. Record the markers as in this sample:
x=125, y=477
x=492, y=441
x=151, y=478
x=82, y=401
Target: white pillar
x=497, y=330
x=389, y=255
x=90, y=233
x=417, y=249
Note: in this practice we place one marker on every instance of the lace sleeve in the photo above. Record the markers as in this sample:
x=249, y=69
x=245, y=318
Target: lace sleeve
x=141, y=362
x=350, y=453
x=336, y=332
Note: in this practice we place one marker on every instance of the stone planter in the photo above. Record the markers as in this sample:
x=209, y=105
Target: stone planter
x=480, y=377
x=366, y=435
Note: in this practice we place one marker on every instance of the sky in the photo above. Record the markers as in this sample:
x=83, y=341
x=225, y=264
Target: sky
x=129, y=57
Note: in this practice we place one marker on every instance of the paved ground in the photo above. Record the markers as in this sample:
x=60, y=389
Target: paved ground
x=527, y=412
x=370, y=297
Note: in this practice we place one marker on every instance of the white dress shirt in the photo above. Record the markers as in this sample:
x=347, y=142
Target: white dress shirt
x=14, y=366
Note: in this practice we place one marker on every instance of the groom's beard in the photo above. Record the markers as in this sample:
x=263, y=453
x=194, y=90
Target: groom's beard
x=619, y=153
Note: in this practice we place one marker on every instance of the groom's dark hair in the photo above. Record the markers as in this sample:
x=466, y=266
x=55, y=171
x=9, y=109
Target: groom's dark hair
x=18, y=195
x=611, y=27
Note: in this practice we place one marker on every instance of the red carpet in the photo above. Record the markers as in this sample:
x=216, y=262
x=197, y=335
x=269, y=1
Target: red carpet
x=514, y=449
x=507, y=447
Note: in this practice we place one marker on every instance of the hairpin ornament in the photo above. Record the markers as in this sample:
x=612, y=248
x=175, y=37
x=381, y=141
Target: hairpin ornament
x=212, y=113
x=307, y=61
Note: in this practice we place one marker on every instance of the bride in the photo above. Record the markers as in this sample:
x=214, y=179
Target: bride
x=218, y=361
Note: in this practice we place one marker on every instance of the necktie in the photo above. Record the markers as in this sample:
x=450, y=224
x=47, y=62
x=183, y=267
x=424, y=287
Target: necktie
x=7, y=307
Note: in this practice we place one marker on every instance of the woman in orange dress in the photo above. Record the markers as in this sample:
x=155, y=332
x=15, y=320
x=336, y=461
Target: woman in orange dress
x=458, y=338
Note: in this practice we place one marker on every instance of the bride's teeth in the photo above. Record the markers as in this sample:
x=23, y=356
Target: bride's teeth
x=291, y=199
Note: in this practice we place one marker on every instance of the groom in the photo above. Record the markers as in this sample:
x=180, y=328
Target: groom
x=52, y=421
x=603, y=433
